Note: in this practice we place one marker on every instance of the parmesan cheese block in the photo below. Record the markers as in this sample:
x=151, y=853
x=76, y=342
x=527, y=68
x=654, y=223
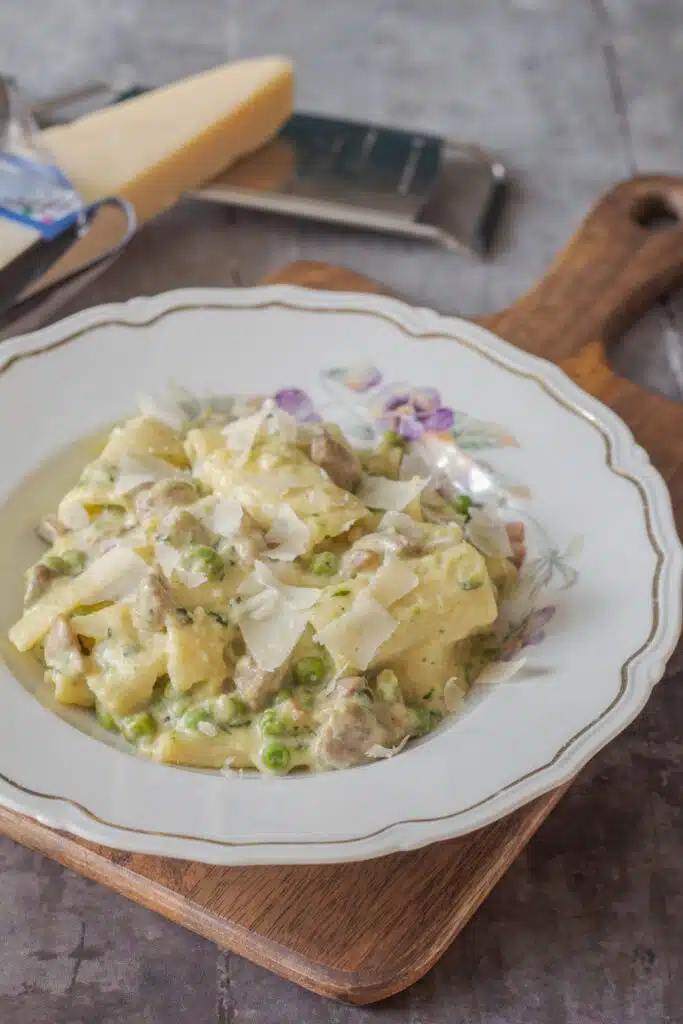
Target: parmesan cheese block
x=154, y=147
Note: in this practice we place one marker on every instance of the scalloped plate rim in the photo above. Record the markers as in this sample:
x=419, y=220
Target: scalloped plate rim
x=645, y=670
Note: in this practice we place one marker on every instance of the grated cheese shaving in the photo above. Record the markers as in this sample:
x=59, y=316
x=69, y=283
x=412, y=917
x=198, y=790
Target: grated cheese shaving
x=191, y=578
x=289, y=535
x=271, y=638
x=285, y=426
x=241, y=435
x=392, y=495
x=392, y=581
x=167, y=557
x=208, y=728
x=73, y=515
x=131, y=571
x=298, y=597
x=170, y=562
x=377, y=750
x=277, y=481
x=224, y=518
x=273, y=616
x=259, y=606
x=404, y=524
x=415, y=463
x=146, y=469
x=162, y=408
x=454, y=471
x=487, y=534
x=358, y=634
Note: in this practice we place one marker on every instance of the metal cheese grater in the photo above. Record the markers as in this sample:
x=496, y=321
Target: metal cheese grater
x=373, y=177
x=354, y=174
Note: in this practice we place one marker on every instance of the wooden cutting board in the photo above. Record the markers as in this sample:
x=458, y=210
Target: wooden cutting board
x=361, y=932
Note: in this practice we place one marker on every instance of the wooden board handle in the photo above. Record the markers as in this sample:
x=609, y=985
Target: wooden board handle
x=627, y=254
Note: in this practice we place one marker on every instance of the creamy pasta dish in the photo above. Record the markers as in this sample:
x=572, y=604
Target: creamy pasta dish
x=252, y=592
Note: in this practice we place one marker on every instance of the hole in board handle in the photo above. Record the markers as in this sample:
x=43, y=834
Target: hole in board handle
x=655, y=213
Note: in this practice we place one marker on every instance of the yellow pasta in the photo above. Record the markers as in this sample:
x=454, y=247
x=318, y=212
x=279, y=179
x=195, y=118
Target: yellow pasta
x=219, y=593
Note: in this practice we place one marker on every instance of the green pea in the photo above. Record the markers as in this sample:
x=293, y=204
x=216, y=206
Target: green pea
x=420, y=720
x=463, y=504
x=239, y=705
x=473, y=583
x=324, y=563
x=229, y=709
x=305, y=697
x=55, y=564
x=194, y=716
x=205, y=559
x=104, y=718
x=391, y=439
x=276, y=758
x=388, y=687
x=138, y=726
x=272, y=724
x=179, y=706
x=74, y=561
x=309, y=671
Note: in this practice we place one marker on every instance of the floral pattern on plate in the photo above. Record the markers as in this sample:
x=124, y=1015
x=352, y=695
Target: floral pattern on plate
x=408, y=410
x=365, y=405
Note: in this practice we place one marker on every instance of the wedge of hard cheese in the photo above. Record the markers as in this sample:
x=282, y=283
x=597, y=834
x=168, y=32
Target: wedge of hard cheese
x=153, y=148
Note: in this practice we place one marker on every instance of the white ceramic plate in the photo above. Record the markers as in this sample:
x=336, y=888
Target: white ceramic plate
x=598, y=517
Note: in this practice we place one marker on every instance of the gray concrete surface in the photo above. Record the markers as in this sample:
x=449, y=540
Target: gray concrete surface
x=586, y=927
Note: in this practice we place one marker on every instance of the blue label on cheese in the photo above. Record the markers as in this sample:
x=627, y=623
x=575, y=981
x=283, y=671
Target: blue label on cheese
x=37, y=195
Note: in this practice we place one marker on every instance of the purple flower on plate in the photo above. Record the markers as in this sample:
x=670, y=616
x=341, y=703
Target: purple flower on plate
x=529, y=633
x=533, y=632
x=298, y=404
x=412, y=412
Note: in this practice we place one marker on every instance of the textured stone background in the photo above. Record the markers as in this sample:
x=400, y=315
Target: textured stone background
x=586, y=927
